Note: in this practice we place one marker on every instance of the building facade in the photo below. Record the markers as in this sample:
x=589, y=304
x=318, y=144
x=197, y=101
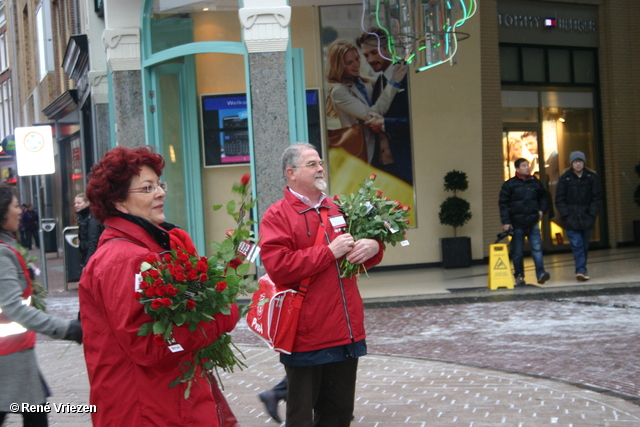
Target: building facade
x=536, y=79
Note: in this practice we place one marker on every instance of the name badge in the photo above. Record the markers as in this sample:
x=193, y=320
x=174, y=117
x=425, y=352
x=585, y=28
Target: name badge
x=136, y=282
x=173, y=345
x=337, y=221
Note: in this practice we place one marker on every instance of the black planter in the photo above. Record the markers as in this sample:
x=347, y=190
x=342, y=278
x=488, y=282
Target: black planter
x=456, y=252
x=636, y=232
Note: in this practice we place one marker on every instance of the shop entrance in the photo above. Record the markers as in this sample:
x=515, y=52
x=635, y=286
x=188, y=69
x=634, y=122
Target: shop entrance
x=544, y=127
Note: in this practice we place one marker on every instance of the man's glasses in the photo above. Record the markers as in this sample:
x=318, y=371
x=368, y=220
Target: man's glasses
x=312, y=165
x=151, y=188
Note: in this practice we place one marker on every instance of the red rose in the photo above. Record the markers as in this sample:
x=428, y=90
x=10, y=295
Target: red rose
x=154, y=274
x=161, y=291
x=180, y=277
x=151, y=258
x=188, y=267
x=156, y=303
x=137, y=295
x=373, y=177
x=202, y=266
x=192, y=275
x=166, y=257
x=229, y=233
x=150, y=292
x=203, y=277
x=158, y=282
x=190, y=304
x=408, y=222
x=183, y=257
x=171, y=291
x=221, y=286
x=166, y=302
x=336, y=197
x=144, y=285
x=235, y=263
x=245, y=179
x=379, y=193
x=158, y=340
x=406, y=208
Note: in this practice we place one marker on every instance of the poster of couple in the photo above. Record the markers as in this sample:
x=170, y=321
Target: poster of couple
x=367, y=105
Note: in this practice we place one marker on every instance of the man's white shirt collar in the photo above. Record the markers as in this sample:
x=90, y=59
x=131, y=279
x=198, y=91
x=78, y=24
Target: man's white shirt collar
x=306, y=200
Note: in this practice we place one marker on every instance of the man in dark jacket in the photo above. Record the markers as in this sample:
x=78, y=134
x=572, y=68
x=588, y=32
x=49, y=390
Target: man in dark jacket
x=578, y=200
x=523, y=202
x=89, y=230
x=29, y=222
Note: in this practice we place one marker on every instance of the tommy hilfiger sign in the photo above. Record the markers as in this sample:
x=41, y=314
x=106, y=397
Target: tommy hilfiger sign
x=530, y=21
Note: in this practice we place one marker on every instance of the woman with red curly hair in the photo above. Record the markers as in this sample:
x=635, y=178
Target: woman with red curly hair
x=130, y=374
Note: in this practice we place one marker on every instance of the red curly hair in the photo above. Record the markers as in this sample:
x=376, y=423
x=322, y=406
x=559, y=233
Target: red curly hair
x=111, y=178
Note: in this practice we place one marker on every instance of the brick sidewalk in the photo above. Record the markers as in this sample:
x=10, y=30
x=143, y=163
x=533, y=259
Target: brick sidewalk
x=391, y=390
x=562, y=358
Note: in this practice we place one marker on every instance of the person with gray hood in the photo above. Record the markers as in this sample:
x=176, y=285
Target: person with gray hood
x=21, y=382
x=579, y=199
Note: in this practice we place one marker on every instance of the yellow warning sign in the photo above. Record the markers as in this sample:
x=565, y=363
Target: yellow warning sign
x=499, y=267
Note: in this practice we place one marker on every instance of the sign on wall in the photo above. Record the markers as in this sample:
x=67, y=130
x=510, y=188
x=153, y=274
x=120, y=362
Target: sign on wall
x=225, y=127
x=34, y=151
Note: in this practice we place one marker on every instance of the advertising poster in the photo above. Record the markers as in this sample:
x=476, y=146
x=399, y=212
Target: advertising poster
x=367, y=109
x=225, y=127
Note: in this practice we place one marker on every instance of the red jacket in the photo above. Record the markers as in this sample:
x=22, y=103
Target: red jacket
x=129, y=374
x=332, y=313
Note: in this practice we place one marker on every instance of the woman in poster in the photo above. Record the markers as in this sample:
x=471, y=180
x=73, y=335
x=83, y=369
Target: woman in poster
x=350, y=95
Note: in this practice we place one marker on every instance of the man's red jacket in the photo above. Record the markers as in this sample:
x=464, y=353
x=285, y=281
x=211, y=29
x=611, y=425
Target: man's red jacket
x=332, y=313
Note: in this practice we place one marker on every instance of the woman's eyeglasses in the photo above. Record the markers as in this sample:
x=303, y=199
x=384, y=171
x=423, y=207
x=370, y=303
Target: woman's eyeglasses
x=151, y=188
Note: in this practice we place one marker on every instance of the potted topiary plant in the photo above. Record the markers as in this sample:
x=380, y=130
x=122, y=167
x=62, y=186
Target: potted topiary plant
x=455, y=212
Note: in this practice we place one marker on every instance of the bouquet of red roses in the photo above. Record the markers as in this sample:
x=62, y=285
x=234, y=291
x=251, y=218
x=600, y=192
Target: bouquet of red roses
x=370, y=215
x=181, y=288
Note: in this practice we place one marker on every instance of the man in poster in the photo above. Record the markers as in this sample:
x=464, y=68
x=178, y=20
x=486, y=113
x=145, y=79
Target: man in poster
x=393, y=148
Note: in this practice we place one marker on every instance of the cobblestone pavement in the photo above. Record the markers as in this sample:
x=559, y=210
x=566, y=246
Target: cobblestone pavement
x=565, y=359
x=391, y=391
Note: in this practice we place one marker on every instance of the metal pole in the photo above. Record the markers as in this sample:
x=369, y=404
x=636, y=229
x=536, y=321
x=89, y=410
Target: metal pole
x=43, y=253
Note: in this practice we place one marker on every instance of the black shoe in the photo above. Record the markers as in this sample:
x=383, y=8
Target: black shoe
x=545, y=276
x=270, y=401
x=520, y=280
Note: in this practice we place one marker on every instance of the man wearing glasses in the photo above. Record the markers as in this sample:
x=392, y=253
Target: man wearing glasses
x=321, y=370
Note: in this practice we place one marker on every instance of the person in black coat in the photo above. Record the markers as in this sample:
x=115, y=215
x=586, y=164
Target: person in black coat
x=89, y=230
x=579, y=199
x=393, y=137
x=523, y=202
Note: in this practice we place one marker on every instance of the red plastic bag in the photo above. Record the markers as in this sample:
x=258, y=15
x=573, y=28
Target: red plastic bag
x=276, y=320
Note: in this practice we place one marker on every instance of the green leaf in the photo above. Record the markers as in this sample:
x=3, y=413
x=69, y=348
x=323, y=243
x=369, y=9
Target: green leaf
x=231, y=207
x=159, y=328
x=217, y=207
x=243, y=269
x=145, y=329
x=179, y=319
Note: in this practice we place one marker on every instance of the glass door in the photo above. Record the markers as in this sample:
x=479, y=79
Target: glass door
x=173, y=111
x=568, y=125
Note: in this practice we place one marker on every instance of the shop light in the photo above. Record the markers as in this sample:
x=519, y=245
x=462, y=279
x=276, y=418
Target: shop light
x=563, y=117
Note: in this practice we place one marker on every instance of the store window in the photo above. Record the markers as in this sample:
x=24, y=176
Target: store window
x=543, y=65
